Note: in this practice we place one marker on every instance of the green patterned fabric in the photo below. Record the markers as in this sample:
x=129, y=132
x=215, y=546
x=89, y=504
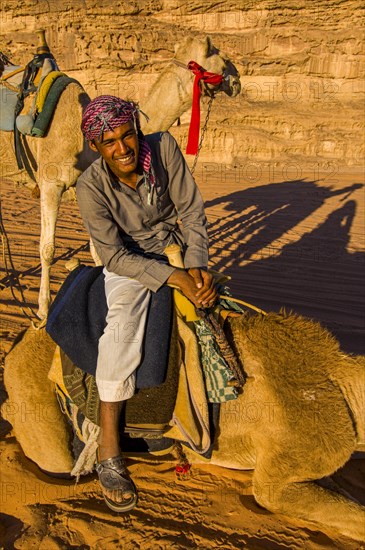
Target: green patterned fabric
x=216, y=371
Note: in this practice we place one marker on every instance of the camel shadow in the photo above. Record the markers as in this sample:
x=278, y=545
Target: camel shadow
x=12, y=278
x=279, y=257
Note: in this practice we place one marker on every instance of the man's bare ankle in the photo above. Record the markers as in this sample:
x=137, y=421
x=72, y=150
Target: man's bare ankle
x=108, y=451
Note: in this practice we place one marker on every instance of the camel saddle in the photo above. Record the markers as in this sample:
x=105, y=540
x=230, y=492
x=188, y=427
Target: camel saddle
x=171, y=398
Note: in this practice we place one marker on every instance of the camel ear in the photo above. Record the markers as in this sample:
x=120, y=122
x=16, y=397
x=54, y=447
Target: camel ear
x=208, y=47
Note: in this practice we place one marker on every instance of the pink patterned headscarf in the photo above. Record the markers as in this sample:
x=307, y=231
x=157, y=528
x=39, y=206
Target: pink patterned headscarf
x=107, y=112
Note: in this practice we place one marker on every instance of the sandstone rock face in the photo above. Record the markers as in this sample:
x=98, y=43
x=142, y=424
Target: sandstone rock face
x=301, y=65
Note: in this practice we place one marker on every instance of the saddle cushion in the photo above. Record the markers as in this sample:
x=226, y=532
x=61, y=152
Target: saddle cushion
x=44, y=88
x=43, y=120
x=76, y=321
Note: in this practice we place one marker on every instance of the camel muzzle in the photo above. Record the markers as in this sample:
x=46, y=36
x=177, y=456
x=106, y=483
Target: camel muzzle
x=231, y=85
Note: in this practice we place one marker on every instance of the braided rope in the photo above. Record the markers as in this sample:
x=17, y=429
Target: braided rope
x=224, y=346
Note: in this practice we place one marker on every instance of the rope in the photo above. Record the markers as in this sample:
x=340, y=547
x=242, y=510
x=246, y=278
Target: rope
x=13, y=73
x=9, y=86
x=4, y=80
x=12, y=274
x=182, y=469
x=179, y=63
x=4, y=59
x=224, y=347
x=223, y=297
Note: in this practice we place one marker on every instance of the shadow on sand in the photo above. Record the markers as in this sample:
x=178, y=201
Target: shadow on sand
x=308, y=269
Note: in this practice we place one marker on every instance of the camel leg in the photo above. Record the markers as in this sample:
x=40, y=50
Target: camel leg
x=308, y=501
x=50, y=203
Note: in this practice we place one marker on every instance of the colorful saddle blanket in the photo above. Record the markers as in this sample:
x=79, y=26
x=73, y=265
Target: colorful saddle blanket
x=11, y=88
x=153, y=418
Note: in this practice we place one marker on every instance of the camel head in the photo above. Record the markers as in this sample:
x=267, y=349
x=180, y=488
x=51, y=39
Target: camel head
x=211, y=59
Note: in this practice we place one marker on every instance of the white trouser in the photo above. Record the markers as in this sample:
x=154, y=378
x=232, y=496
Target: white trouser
x=120, y=347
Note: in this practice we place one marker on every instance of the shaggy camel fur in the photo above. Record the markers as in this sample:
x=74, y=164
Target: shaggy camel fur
x=60, y=157
x=299, y=418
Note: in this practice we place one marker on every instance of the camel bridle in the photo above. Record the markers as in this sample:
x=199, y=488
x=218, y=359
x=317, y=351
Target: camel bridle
x=207, y=89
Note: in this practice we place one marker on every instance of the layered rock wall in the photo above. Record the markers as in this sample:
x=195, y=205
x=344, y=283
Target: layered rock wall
x=301, y=65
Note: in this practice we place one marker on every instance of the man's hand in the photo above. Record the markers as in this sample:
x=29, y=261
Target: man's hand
x=204, y=281
x=196, y=284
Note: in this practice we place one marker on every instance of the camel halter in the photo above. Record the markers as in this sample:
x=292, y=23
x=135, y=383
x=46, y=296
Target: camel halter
x=201, y=81
x=201, y=75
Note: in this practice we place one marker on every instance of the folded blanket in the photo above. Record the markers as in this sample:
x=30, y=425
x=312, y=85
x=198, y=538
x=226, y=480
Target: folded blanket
x=190, y=419
x=149, y=409
x=76, y=321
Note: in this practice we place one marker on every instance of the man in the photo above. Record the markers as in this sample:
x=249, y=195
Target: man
x=131, y=200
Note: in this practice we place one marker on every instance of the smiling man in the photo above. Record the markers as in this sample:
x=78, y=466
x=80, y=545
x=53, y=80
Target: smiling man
x=131, y=200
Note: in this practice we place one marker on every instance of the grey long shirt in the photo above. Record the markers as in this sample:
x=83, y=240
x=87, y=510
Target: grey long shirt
x=128, y=233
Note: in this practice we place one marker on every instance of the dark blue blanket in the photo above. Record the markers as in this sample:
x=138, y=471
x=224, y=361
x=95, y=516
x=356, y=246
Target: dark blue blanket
x=76, y=321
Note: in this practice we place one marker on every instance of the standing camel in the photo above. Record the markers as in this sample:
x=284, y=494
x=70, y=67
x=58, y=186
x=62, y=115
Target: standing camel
x=62, y=155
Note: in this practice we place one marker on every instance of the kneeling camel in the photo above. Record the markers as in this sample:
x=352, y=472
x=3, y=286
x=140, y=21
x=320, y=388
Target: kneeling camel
x=299, y=418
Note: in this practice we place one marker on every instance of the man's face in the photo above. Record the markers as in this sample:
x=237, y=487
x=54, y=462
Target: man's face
x=119, y=148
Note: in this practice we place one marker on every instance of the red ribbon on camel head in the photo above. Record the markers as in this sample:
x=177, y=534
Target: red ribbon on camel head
x=194, y=129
